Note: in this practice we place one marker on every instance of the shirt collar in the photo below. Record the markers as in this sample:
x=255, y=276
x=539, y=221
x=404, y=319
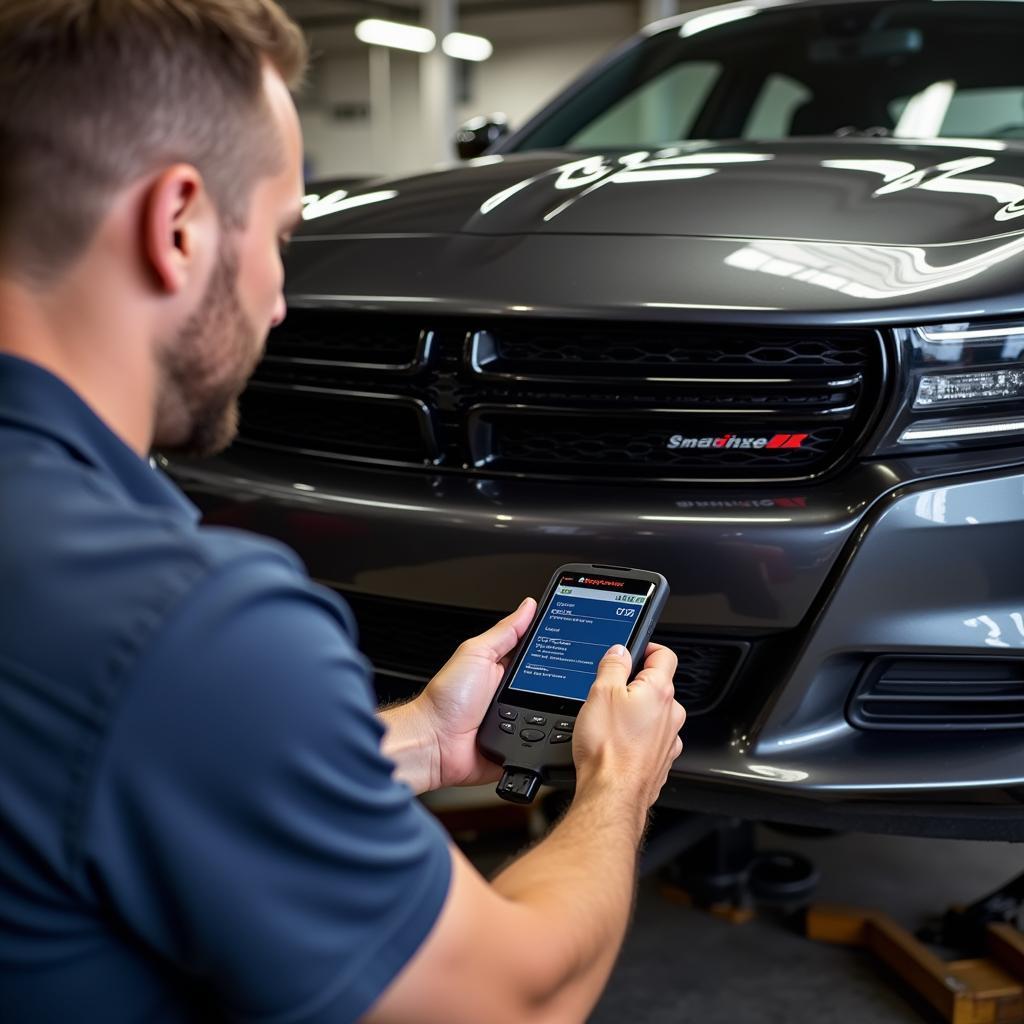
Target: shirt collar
x=33, y=399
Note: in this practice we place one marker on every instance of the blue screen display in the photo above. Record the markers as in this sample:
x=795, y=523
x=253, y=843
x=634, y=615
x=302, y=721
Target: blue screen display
x=579, y=625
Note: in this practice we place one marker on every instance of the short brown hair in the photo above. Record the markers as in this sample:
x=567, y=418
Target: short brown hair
x=96, y=93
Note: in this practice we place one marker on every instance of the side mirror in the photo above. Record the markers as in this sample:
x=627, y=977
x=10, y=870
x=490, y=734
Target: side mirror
x=478, y=134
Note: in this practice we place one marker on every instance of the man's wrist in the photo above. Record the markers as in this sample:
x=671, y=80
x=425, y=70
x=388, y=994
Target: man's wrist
x=619, y=793
x=411, y=742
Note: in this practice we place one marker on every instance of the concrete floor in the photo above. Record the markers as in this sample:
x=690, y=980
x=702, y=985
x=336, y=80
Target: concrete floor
x=680, y=966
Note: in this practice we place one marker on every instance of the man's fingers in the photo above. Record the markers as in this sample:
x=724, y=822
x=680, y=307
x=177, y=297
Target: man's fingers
x=679, y=714
x=613, y=669
x=652, y=647
x=502, y=637
x=660, y=663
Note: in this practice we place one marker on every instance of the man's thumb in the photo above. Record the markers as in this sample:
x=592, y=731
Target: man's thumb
x=613, y=669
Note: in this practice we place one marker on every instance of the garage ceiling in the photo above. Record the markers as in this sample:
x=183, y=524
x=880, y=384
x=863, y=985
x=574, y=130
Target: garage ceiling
x=327, y=13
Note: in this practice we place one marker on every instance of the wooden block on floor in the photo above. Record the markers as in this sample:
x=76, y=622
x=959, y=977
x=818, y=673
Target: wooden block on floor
x=991, y=995
x=1006, y=947
x=963, y=991
x=723, y=911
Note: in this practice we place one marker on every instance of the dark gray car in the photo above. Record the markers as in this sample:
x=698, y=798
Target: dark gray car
x=745, y=306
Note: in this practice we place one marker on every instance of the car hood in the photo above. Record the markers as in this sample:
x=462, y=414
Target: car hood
x=874, y=191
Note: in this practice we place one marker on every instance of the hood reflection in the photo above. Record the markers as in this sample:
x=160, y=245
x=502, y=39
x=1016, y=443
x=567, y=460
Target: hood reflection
x=864, y=271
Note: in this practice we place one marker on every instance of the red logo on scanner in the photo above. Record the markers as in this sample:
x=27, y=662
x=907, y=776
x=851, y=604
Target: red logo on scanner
x=738, y=441
x=589, y=582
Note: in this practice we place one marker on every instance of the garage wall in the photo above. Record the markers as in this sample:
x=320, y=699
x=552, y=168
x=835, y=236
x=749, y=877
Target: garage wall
x=338, y=140
x=540, y=52
x=536, y=52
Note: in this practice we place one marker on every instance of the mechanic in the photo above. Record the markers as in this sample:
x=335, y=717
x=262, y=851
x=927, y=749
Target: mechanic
x=202, y=816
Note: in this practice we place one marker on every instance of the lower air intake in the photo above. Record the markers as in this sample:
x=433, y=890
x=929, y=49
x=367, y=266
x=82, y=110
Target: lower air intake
x=940, y=693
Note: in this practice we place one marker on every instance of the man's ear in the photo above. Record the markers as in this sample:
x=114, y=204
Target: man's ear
x=179, y=229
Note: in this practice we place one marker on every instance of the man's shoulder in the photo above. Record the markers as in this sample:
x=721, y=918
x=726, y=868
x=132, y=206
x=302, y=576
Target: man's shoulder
x=50, y=502
x=107, y=575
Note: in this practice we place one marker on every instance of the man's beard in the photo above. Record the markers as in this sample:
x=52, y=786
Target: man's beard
x=204, y=369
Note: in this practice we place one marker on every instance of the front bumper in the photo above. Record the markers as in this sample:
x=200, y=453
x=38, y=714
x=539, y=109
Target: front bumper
x=894, y=557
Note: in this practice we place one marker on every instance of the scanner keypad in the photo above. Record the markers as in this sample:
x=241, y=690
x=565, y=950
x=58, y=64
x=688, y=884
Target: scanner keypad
x=533, y=727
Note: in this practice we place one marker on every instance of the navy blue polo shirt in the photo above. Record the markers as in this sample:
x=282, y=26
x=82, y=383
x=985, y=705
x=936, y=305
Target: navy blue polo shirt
x=196, y=820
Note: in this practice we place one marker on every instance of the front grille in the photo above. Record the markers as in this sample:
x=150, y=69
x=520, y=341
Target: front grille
x=569, y=400
x=408, y=641
x=320, y=421
x=940, y=693
x=621, y=441
x=514, y=349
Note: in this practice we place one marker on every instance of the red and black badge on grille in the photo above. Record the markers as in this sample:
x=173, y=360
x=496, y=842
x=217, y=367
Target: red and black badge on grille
x=738, y=441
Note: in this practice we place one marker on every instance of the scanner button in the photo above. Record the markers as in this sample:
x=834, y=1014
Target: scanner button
x=536, y=720
x=532, y=735
x=565, y=725
x=561, y=737
x=506, y=727
x=508, y=714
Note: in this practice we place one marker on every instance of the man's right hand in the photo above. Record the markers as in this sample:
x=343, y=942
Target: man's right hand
x=627, y=737
x=539, y=941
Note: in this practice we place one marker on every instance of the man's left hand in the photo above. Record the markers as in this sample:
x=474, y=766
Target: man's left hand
x=447, y=714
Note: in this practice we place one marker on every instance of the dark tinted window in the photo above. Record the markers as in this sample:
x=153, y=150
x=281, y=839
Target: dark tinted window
x=906, y=70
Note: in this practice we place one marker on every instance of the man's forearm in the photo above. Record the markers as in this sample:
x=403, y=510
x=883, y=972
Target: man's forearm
x=412, y=744
x=581, y=881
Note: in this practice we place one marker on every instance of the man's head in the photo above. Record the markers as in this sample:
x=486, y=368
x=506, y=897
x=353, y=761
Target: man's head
x=163, y=128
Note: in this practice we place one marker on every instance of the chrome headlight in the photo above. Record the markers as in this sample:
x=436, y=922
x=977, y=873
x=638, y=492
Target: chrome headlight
x=965, y=387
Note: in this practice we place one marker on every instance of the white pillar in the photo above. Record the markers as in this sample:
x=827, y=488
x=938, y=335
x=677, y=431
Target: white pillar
x=437, y=85
x=380, y=108
x=655, y=10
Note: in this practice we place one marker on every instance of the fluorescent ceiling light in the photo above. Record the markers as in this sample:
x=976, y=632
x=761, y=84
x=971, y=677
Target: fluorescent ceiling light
x=378, y=32
x=462, y=46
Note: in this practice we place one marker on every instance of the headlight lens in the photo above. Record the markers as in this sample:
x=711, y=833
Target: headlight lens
x=953, y=388
x=965, y=387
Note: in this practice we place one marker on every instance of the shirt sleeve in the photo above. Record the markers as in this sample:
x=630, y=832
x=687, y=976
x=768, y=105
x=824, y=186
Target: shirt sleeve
x=244, y=823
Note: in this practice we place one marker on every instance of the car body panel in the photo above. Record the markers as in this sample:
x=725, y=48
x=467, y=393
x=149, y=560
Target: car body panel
x=885, y=551
x=876, y=191
x=883, y=546
x=662, y=278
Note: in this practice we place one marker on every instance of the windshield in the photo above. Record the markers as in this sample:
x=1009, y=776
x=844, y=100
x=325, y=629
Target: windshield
x=925, y=69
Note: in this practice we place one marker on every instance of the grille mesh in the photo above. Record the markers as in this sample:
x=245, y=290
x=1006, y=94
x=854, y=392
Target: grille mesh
x=634, y=444
x=517, y=349
x=334, y=424
x=323, y=335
